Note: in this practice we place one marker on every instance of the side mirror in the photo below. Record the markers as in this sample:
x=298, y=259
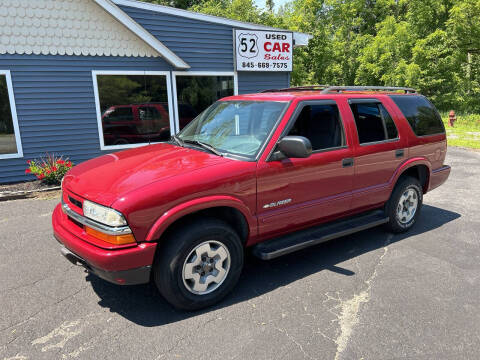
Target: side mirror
x=293, y=147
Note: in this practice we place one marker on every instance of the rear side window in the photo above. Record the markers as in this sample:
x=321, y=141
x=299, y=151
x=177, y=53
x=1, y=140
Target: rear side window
x=373, y=122
x=420, y=113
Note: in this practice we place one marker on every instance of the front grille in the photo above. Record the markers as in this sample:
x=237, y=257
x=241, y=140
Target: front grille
x=75, y=222
x=75, y=202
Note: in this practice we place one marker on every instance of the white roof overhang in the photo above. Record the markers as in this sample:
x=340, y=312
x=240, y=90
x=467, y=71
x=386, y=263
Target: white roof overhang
x=143, y=34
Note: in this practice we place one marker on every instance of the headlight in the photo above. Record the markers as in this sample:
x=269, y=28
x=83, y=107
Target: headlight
x=103, y=214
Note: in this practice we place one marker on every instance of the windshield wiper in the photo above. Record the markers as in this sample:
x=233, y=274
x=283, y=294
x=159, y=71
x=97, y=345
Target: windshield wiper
x=177, y=140
x=204, y=146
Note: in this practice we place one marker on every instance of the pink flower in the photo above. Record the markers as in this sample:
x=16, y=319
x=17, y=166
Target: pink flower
x=28, y=171
x=69, y=164
x=40, y=177
x=54, y=169
x=60, y=162
x=29, y=161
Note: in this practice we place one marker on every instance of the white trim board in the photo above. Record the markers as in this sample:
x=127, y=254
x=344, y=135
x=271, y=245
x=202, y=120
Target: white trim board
x=301, y=39
x=143, y=34
x=99, y=112
x=198, y=73
x=13, y=109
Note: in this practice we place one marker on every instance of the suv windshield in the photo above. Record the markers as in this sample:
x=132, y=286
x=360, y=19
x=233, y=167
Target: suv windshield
x=235, y=127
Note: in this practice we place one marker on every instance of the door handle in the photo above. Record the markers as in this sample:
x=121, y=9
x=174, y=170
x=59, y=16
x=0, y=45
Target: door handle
x=399, y=153
x=347, y=162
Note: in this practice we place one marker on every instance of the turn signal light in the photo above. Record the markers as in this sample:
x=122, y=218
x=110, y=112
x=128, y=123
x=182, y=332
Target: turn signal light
x=112, y=239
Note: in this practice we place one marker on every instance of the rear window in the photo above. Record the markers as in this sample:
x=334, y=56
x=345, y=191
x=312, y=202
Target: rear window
x=420, y=113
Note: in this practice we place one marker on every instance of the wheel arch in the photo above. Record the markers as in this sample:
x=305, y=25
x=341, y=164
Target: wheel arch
x=418, y=168
x=231, y=210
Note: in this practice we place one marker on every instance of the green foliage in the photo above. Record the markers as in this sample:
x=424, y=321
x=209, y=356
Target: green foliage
x=431, y=45
x=242, y=10
x=466, y=131
x=181, y=4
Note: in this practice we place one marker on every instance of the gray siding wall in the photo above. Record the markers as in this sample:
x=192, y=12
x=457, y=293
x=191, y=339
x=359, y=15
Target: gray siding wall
x=55, y=99
x=252, y=82
x=203, y=45
x=56, y=105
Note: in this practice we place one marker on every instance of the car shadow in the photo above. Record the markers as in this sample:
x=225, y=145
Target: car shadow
x=143, y=305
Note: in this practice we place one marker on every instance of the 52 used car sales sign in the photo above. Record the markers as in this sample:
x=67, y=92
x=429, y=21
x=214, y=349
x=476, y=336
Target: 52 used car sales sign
x=263, y=50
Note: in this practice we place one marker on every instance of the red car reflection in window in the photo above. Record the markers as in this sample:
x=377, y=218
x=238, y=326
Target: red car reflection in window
x=141, y=123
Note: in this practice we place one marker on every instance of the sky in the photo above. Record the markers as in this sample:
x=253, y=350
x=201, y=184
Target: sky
x=277, y=3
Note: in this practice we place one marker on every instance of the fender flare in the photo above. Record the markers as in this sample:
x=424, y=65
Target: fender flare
x=409, y=164
x=191, y=206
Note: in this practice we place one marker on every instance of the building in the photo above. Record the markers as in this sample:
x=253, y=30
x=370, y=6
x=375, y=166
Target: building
x=80, y=78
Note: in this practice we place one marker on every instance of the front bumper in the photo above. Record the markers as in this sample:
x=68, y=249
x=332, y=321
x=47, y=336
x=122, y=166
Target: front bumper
x=125, y=277
x=124, y=266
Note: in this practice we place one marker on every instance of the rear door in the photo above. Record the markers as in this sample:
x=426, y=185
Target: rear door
x=379, y=149
x=295, y=193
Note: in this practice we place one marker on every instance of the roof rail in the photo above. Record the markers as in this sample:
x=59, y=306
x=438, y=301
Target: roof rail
x=298, y=88
x=326, y=89
x=340, y=89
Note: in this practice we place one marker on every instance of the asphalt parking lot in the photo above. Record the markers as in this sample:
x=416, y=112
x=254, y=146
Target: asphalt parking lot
x=367, y=296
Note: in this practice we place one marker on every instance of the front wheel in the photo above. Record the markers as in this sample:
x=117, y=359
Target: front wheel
x=199, y=264
x=404, y=205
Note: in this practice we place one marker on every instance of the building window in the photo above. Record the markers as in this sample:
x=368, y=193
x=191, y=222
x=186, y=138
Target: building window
x=133, y=108
x=10, y=144
x=197, y=92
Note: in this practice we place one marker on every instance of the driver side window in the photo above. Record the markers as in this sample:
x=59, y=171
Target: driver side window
x=321, y=124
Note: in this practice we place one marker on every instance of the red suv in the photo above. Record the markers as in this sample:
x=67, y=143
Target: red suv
x=141, y=123
x=276, y=171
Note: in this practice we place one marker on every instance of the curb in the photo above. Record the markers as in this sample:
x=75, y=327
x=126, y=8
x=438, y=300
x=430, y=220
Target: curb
x=17, y=195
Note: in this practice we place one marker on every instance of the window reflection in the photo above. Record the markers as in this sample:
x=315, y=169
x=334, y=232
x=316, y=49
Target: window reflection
x=134, y=108
x=8, y=144
x=196, y=93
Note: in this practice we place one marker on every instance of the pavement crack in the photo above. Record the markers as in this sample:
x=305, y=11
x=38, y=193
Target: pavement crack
x=43, y=309
x=349, y=309
x=291, y=338
x=34, y=283
x=179, y=340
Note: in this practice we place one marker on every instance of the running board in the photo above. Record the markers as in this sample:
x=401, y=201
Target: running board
x=286, y=244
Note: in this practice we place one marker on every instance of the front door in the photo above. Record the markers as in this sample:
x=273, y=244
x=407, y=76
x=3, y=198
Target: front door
x=296, y=193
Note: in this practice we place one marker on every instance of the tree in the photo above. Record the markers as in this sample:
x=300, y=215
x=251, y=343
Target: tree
x=242, y=10
x=436, y=67
x=270, y=5
x=432, y=45
x=181, y=4
x=384, y=59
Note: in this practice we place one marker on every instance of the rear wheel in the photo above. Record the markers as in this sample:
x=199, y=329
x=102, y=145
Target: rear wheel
x=199, y=264
x=404, y=205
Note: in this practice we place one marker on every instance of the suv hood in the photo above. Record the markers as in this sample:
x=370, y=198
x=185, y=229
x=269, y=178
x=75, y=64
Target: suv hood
x=107, y=178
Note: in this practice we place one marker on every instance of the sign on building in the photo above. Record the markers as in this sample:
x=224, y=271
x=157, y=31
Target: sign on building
x=263, y=50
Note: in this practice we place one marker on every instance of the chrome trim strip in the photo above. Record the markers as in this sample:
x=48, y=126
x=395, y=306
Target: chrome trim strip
x=443, y=168
x=109, y=230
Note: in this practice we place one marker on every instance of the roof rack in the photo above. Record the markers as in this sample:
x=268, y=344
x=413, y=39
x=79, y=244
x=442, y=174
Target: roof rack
x=298, y=88
x=325, y=89
x=340, y=89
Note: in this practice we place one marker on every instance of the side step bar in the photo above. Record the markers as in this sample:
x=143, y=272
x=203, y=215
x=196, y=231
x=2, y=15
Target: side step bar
x=286, y=244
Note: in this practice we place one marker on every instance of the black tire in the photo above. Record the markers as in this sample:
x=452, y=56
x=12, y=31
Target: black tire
x=170, y=259
x=405, y=184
